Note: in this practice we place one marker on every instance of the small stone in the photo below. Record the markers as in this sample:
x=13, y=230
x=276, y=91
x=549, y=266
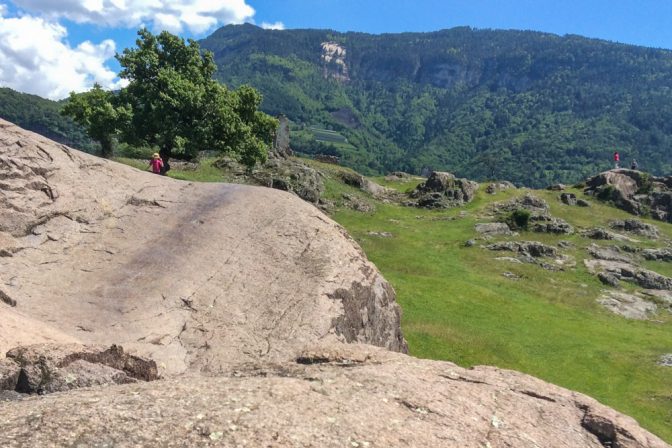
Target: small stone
x=665, y=360
x=216, y=435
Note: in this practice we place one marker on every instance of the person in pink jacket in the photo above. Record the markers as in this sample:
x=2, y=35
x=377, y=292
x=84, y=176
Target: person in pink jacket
x=156, y=164
x=617, y=159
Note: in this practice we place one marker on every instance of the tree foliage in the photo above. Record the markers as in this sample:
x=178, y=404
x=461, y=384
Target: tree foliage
x=95, y=111
x=172, y=102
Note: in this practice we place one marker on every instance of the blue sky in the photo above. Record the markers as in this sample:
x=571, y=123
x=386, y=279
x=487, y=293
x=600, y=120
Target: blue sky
x=52, y=47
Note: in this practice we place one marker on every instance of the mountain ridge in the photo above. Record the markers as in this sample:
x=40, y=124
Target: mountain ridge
x=534, y=108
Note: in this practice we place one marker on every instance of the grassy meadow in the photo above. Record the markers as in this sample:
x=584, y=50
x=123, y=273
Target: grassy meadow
x=457, y=305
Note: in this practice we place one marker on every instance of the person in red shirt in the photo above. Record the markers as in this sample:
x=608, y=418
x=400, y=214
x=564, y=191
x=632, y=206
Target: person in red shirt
x=617, y=159
x=156, y=164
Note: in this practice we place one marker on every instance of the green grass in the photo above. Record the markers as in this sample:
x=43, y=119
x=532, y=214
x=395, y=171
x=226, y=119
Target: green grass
x=458, y=307
x=205, y=172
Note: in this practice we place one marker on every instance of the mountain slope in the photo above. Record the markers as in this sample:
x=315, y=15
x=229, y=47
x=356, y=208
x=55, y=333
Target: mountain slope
x=530, y=107
x=43, y=116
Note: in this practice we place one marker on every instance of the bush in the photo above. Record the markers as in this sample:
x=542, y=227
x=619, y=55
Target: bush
x=646, y=184
x=519, y=219
x=606, y=193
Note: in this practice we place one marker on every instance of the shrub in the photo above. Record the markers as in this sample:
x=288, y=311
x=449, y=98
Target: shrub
x=519, y=219
x=606, y=193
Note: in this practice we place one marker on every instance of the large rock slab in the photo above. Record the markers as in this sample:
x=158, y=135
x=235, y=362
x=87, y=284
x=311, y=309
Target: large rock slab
x=194, y=276
x=329, y=397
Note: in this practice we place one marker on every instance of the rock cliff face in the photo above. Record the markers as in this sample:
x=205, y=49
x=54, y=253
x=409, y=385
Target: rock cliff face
x=243, y=299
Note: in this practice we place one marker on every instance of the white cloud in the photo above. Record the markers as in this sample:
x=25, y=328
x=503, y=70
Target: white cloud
x=197, y=16
x=273, y=26
x=3, y=9
x=36, y=59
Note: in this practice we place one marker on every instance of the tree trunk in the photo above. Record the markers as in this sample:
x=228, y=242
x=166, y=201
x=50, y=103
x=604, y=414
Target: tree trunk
x=106, y=147
x=165, y=153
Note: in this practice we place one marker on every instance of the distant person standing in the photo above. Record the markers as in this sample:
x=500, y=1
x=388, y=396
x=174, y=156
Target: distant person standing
x=633, y=165
x=617, y=159
x=156, y=164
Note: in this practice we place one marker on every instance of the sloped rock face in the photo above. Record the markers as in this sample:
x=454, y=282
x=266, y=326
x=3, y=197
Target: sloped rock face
x=635, y=192
x=331, y=396
x=194, y=276
x=444, y=190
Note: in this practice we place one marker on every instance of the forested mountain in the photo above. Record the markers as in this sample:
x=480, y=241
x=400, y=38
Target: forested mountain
x=43, y=116
x=529, y=107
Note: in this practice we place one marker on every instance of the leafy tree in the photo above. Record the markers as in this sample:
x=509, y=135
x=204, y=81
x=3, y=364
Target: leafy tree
x=176, y=105
x=94, y=110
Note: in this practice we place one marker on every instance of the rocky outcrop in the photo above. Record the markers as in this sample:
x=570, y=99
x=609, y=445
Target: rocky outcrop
x=48, y=368
x=568, y=198
x=664, y=254
x=292, y=176
x=628, y=272
x=331, y=396
x=281, y=148
x=493, y=228
x=635, y=192
x=612, y=253
x=497, y=187
x=635, y=226
x=547, y=224
x=443, y=190
x=527, y=248
x=194, y=276
x=533, y=204
x=627, y=305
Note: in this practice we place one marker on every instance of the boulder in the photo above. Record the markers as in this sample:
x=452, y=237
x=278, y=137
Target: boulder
x=398, y=176
x=293, y=176
x=557, y=187
x=47, y=368
x=568, y=198
x=547, y=224
x=635, y=226
x=444, y=190
x=496, y=187
x=582, y=203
